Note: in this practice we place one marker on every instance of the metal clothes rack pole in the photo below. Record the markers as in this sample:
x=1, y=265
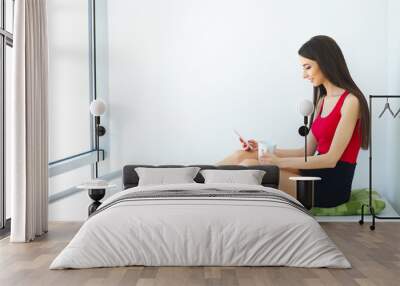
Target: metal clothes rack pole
x=371, y=208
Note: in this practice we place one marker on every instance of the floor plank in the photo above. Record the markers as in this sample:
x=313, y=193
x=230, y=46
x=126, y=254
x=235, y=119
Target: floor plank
x=374, y=255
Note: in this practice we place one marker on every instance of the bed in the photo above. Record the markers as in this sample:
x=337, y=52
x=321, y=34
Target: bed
x=198, y=224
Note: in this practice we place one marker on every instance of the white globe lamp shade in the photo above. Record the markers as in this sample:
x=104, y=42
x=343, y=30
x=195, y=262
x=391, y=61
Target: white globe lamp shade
x=97, y=107
x=306, y=107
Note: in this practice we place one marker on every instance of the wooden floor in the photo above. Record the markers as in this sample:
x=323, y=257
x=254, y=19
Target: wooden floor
x=375, y=257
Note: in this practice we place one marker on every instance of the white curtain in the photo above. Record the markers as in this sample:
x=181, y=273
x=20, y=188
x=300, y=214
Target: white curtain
x=28, y=120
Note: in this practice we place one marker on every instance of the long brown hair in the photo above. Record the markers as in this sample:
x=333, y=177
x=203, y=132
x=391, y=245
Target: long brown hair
x=326, y=52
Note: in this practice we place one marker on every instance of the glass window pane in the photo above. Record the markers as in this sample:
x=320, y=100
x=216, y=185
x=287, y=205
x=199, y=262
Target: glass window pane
x=69, y=82
x=9, y=15
x=8, y=71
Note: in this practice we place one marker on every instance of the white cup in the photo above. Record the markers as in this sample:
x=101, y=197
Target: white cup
x=263, y=147
x=271, y=148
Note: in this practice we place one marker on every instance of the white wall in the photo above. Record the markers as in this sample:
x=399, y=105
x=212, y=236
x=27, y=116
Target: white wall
x=179, y=75
x=183, y=74
x=393, y=125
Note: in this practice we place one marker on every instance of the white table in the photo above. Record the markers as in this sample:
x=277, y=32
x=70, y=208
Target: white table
x=96, y=193
x=305, y=190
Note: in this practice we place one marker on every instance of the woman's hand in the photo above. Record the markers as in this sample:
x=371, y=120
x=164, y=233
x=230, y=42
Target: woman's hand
x=245, y=146
x=253, y=144
x=270, y=159
x=250, y=145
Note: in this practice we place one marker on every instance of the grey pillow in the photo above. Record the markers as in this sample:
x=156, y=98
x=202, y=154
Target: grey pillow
x=165, y=176
x=249, y=177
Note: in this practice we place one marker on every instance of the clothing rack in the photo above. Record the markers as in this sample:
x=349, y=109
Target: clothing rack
x=371, y=208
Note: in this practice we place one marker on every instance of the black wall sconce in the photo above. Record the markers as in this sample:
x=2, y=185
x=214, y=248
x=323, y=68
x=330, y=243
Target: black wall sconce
x=98, y=108
x=306, y=108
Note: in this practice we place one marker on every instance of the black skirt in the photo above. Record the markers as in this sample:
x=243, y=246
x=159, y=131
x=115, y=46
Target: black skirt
x=335, y=185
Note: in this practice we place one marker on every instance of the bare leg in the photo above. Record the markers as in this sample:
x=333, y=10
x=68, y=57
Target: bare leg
x=237, y=157
x=250, y=162
x=250, y=158
x=286, y=185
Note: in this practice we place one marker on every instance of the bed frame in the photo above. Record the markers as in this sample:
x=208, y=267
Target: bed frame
x=271, y=178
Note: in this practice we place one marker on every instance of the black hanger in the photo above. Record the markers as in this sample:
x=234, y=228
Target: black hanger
x=387, y=107
x=398, y=111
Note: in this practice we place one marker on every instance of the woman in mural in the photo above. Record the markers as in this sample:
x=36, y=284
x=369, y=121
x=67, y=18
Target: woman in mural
x=339, y=128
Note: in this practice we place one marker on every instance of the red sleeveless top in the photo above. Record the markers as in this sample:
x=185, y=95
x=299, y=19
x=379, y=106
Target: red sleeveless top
x=324, y=129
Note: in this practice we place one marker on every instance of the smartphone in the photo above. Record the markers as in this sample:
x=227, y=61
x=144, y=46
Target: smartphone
x=243, y=140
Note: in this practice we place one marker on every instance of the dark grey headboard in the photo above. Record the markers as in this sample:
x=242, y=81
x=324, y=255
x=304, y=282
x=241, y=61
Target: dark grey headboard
x=271, y=178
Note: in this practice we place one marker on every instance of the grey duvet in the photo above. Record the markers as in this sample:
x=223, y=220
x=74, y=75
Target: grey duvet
x=201, y=224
